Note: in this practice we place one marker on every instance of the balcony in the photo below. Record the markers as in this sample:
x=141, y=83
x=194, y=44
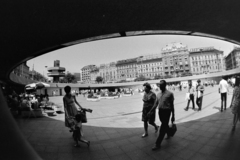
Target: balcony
x=55, y=74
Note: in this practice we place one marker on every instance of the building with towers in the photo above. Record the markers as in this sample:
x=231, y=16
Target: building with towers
x=175, y=57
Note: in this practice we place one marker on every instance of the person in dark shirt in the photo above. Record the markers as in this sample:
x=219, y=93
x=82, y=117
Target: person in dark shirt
x=165, y=105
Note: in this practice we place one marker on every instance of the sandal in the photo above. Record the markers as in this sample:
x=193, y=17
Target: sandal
x=156, y=129
x=88, y=143
x=144, y=135
x=76, y=145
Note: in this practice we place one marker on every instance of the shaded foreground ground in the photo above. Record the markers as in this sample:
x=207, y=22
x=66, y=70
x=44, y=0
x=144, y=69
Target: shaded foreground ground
x=119, y=136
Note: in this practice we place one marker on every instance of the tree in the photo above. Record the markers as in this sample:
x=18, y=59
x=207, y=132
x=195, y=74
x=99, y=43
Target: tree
x=168, y=76
x=158, y=77
x=39, y=77
x=99, y=79
x=141, y=78
x=185, y=74
x=69, y=78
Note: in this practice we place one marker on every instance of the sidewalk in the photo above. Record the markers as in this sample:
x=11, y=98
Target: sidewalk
x=119, y=137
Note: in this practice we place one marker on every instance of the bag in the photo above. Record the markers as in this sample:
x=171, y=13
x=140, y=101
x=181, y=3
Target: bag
x=172, y=130
x=187, y=97
x=83, y=116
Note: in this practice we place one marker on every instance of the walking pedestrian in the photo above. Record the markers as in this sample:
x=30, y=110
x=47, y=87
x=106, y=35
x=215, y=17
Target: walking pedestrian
x=165, y=105
x=191, y=92
x=148, y=102
x=180, y=87
x=223, y=90
x=200, y=90
x=235, y=104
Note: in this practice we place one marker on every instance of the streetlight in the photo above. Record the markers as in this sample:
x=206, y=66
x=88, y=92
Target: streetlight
x=43, y=72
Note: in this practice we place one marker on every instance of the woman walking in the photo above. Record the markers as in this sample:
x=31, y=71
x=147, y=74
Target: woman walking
x=69, y=101
x=235, y=104
x=148, y=102
x=71, y=110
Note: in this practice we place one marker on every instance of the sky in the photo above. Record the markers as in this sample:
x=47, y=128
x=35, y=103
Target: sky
x=75, y=57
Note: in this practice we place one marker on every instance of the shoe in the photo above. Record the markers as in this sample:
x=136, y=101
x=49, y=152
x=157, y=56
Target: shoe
x=185, y=109
x=156, y=129
x=144, y=135
x=156, y=147
x=76, y=145
x=221, y=110
x=88, y=143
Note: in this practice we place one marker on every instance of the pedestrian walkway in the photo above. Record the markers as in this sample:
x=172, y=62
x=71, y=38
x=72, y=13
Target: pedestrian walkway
x=200, y=135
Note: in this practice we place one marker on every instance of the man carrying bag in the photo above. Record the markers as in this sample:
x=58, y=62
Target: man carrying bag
x=165, y=105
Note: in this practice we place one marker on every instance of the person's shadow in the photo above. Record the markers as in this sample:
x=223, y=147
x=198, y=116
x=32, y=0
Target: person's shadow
x=219, y=108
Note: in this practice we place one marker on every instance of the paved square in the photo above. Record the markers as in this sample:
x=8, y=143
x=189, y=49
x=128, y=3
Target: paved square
x=115, y=128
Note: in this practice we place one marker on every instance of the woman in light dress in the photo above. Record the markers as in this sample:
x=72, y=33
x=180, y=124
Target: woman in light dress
x=235, y=104
x=69, y=101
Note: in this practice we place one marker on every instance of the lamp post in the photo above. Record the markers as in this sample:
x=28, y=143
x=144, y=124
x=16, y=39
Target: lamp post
x=46, y=72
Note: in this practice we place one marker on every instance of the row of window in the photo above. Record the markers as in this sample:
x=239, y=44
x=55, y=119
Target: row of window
x=202, y=57
x=127, y=66
x=204, y=62
x=206, y=68
x=150, y=70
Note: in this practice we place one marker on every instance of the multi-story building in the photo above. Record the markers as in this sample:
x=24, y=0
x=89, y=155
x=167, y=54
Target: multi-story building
x=150, y=66
x=232, y=60
x=175, y=57
x=127, y=69
x=94, y=74
x=22, y=70
x=206, y=60
x=86, y=73
x=108, y=72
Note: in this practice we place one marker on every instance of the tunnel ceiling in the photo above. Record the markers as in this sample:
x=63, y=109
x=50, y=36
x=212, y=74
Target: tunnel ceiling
x=33, y=27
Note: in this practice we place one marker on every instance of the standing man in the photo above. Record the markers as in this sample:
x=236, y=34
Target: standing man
x=165, y=105
x=200, y=90
x=223, y=90
x=148, y=101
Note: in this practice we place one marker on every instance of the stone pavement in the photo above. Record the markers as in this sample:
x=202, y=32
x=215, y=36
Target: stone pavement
x=115, y=128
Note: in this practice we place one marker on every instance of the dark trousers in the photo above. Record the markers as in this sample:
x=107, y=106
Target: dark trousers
x=223, y=100
x=164, y=116
x=191, y=96
x=199, y=102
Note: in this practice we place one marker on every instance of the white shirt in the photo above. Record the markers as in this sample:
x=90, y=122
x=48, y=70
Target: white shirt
x=223, y=86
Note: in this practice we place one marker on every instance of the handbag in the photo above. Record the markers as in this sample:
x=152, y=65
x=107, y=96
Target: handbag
x=187, y=97
x=172, y=130
x=83, y=116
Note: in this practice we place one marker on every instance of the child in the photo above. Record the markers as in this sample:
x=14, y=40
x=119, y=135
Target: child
x=77, y=130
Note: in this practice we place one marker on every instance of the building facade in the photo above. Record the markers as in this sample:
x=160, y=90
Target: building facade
x=94, y=74
x=127, y=69
x=150, y=66
x=232, y=60
x=22, y=70
x=206, y=60
x=56, y=71
x=86, y=78
x=175, y=57
x=108, y=72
